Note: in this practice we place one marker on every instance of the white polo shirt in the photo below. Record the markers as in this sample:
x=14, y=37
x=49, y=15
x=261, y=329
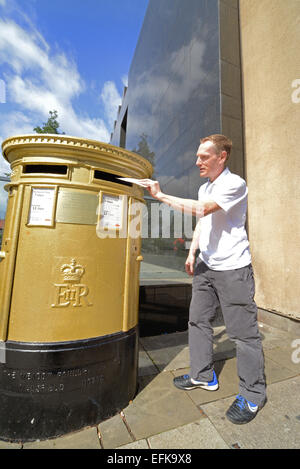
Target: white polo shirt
x=223, y=239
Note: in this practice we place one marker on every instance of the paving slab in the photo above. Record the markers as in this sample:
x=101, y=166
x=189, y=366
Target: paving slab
x=163, y=349
x=167, y=351
x=283, y=323
x=275, y=372
x=228, y=383
x=8, y=445
x=162, y=341
x=162, y=416
x=287, y=357
x=171, y=358
x=146, y=365
x=84, y=439
x=277, y=425
x=197, y=435
x=113, y=432
x=158, y=407
x=140, y=444
x=226, y=371
x=171, y=351
x=273, y=337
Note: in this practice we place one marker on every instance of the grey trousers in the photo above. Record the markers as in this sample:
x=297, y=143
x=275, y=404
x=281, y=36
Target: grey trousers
x=233, y=290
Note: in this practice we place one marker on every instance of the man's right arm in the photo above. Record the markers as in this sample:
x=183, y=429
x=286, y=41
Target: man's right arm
x=189, y=263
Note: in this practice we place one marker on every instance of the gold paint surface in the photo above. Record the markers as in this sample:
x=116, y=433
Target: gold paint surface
x=133, y=261
x=76, y=207
x=63, y=282
x=45, y=306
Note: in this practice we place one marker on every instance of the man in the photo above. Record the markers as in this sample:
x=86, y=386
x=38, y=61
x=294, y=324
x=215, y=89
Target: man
x=222, y=275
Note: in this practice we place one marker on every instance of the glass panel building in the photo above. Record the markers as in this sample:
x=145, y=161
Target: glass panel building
x=175, y=94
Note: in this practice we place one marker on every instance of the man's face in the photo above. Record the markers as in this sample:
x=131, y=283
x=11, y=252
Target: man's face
x=209, y=162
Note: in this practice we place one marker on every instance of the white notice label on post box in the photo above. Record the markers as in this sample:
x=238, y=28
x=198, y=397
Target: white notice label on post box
x=41, y=207
x=112, y=212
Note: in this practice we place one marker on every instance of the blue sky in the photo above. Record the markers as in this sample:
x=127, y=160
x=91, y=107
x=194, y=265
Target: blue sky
x=70, y=55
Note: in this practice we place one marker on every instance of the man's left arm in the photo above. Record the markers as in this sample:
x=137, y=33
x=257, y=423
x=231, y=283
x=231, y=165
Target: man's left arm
x=198, y=208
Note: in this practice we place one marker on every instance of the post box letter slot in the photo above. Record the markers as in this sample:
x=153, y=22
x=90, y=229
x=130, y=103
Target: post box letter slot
x=110, y=177
x=45, y=168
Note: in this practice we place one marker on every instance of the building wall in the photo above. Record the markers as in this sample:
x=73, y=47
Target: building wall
x=231, y=82
x=270, y=38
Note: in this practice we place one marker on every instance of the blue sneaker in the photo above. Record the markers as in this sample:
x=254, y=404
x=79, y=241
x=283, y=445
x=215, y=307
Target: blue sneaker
x=186, y=383
x=241, y=411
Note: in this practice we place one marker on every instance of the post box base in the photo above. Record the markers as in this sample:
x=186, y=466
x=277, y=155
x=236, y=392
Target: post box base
x=50, y=389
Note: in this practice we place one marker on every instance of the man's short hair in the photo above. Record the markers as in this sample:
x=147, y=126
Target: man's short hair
x=221, y=142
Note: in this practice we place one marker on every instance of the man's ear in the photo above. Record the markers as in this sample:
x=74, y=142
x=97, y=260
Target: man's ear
x=224, y=156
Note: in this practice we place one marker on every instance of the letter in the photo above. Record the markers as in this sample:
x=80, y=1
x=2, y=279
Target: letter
x=296, y=354
x=188, y=226
x=165, y=218
x=135, y=220
x=160, y=213
x=110, y=460
x=154, y=220
x=177, y=224
x=296, y=93
x=81, y=291
x=145, y=221
x=62, y=290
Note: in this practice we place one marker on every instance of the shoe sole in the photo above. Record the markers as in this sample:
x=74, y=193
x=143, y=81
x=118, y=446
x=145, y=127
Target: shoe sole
x=215, y=387
x=237, y=422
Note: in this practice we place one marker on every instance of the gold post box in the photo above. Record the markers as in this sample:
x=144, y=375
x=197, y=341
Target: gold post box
x=69, y=284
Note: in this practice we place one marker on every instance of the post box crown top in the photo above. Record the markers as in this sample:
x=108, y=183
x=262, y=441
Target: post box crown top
x=68, y=146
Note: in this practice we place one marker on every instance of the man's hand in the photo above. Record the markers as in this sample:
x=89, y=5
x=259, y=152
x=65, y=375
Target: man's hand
x=152, y=187
x=189, y=263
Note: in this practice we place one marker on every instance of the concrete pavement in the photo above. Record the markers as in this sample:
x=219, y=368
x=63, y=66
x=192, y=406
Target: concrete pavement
x=163, y=417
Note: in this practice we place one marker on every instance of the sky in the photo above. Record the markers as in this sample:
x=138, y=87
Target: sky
x=72, y=56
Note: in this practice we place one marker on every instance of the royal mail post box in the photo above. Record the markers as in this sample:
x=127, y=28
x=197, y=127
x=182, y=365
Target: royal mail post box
x=69, y=283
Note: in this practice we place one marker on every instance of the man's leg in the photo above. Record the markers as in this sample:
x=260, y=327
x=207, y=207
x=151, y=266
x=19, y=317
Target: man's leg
x=236, y=294
x=203, y=307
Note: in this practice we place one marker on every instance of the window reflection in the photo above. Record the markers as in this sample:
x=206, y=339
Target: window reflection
x=166, y=235
x=173, y=99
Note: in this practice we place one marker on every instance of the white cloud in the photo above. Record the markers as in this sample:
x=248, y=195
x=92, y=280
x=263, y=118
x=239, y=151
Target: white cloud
x=15, y=123
x=111, y=100
x=125, y=80
x=39, y=81
x=4, y=166
x=20, y=48
x=36, y=98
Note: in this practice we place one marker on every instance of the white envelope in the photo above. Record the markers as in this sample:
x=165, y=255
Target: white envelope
x=134, y=181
